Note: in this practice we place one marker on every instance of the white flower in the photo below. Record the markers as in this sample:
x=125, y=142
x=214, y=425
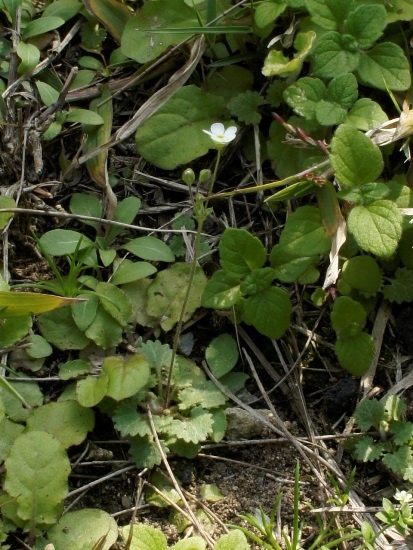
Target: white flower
x=220, y=135
x=403, y=496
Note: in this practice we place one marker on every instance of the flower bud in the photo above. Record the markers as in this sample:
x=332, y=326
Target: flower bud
x=188, y=176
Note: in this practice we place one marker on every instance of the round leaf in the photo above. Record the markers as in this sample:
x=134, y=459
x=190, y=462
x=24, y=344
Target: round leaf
x=222, y=355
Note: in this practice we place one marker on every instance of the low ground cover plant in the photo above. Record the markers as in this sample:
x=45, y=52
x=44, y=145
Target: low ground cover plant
x=326, y=123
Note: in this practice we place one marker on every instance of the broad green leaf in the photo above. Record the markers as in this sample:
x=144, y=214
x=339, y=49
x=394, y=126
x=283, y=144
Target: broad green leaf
x=91, y=390
x=115, y=302
x=346, y=311
x=167, y=292
x=366, y=24
x=222, y=355
x=142, y=45
x=376, y=227
x=269, y=312
x=85, y=116
x=18, y=304
x=48, y=94
x=304, y=94
x=267, y=12
x=74, y=369
x=40, y=26
x=367, y=450
x=222, y=291
x=37, y=471
x=83, y=529
x=202, y=393
x=362, y=273
x=257, y=280
x=303, y=234
x=112, y=14
x=400, y=460
x=330, y=114
x=355, y=353
x=329, y=14
x=355, y=159
x=403, y=432
x=366, y=114
x=368, y=414
x=193, y=543
x=62, y=242
x=144, y=537
x=234, y=540
x=38, y=347
x=194, y=428
x=245, y=107
x=335, y=54
x=6, y=202
x=28, y=392
x=343, y=90
x=105, y=330
x=385, y=66
x=126, y=378
x=86, y=205
x=9, y=432
x=84, y=312
x=67, y=421
x=129, y=421
x=150, y=248
x=14, y=329
x=173, y=135
x=240, y=252
x=29, y=56
x=126, y=211
x=65, y=9
x=145, y=454
x=287, y=266
x=276, y=64
x=59, y=329
x=128, y=272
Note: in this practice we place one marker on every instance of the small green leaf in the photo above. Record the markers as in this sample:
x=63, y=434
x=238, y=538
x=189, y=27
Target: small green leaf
x=128, y=271
x=126, y=211
x=150, y=248
x=65, y=9
x=37, y=471
x=257, y=280
x=329, y=14
x=346, y=311
x=144, y=537
x=245, y=106
x=222, y=355
x=59, y=329
x=115, y=302
x=14, y=329
x=400, y=460
x=366, y=114
x=86, y=528
x=29, y=56
x=202, y=393
x=267, y=12
x=334, y=55
x=67, y=421
x=304, y=233
x=304, y=95
x=9, y=432
x=362, y=273
x=385, y=66
x=40, y=26
x=84, y=116
x=145, y=454
x=400, y=289
x=395, y=408
x=129, y=421
x=330, y=114
x=84, y=312
x=366, y=23
x=369, y=413
x=112, y=14
x=105, y=329
x=13, y=396
x=367, y=449
x=126, y=378
x=355, y=353
x=276, y=64
x=343, y=90
x=287, y=266
x=86, y=205
x=6, y=202
x=74, y=369
x=39, y=347
x=376, y=227
x=355, y=159
x=235, y=540
x=222, y=291
x=403, y=432
x=240, y=252
x=62, y=242
x=194, y=429
x=193, y=543
x=91, y=390
x=48, y=94
x=269, y=312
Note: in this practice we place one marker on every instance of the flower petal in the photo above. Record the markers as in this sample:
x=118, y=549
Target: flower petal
x=217, y=128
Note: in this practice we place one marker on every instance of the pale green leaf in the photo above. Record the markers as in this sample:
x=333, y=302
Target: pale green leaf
x=105, y=330
x=12, y=400
x=366, y=114
x=145, y=454
x=369, y=413
x=362, y=273
x=222, y=291
x=346, y=311
x=48, y=94
x=42, y=25
x=61, y=242
x=39, y=347
x=129, y=421
x=128, y=271
x=14, y=329
x=91, y=390
x=59, y=329
x=37, y=471
x=84, y=116
x=9, y=432
x=86, y=205
x=29, y=56
x=304, y=94
x=367, y=450
x=6, y=202
x=194, y=429
x=150, y=248
x=202, y=393
x=276, y=64
x=222, y=355
x=399, y=460
x=144, y=537
x=126, y=378
x=234, y=540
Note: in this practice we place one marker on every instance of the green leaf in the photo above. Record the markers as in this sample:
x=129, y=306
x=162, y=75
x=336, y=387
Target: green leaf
x=193, y=543
x=222, y=355
x=126, y=378
x=105, y=330
x=356, y=352
x=346, y=311
x=37, y=471
x=202, y=393
x=240, y=252
x=39, y=347
x=12, y=400
x=400, y=288
x=65, y=9
x=112, y=14
x=150, y=248
x=385, y=66
x=222, y=291
x=85, y=312
x=145, y=454
x=343, y=90
x=234, y=540
x=395, y=408
x=126, y=211
x=67, y=421
x=194, y=429
x=14, y=329
x=304, y=233
x=144, y=537
x=362, y=273
x=376, y=227
x=403, y=432
x=245, y=106
x=158, y=355
x=366, y=24
x=74, y=369
x=128, y=271
x=257, y=280
x=142, y=45
x=59, y=329
x=369, y=413
x=62, y=242
x=335, y=54
x=167, y=292
x=276, y=64
x=84, y=116
x=86, y=528
x=115, y=302
x=367, y=449
x=29, y=56
x=129, y=421
x=400, y=460
x=329, y=14
x=366, y=114
x=40, y=26
x=330, y=114
x=173, y=135
x=304, y=95
x=267, y=12
x=354, y=157
x=6, y=202
x=270, y=304
x=91, y=390
x=287, y=267
x=48, y=94
x=86, y=205
x=9, y=432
